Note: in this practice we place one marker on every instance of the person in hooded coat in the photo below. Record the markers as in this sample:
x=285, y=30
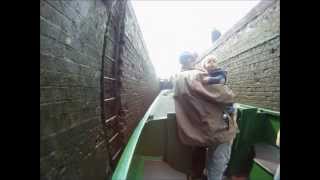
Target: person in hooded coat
x=199, y=110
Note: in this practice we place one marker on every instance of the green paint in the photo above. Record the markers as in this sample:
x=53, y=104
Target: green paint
x=156, y=139
x=177, y=155
x=256, y=125
x=152, y=158
x=136, y=172
x=275, y=124
x=136, y=168
x=258, y=173
x=122, y=169
x=242, y=152
x=152, y=139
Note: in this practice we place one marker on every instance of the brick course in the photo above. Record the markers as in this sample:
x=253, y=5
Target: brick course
x=71, y=46
x=250, y=52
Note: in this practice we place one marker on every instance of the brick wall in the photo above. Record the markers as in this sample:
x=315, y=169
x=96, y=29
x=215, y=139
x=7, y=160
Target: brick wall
x=139, y=82
x=250, y=52
x=72, y=143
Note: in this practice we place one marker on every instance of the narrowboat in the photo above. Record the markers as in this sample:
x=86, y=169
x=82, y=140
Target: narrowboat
x=154, y=151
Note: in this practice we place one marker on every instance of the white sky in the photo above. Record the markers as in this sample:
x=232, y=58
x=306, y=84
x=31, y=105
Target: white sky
x=170, y=27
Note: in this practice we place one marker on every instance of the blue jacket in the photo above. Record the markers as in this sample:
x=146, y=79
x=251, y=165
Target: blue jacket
x=217, y=76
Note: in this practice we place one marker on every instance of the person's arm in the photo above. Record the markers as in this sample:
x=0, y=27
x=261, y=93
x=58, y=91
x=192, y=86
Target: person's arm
x=219, y=94
x=220, y=79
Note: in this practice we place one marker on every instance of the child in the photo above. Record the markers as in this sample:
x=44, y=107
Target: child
x=216, y=76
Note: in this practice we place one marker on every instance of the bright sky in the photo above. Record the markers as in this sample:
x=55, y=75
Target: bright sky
x=170, y=27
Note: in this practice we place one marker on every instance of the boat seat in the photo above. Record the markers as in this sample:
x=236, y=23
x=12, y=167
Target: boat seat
x=267, y=156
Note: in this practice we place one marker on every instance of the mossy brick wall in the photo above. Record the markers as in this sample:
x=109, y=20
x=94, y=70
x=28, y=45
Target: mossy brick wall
x=250, y=52
x=139, y=82
x=72, y=144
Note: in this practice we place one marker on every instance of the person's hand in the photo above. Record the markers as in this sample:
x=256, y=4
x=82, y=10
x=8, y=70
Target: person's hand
x=205, y=80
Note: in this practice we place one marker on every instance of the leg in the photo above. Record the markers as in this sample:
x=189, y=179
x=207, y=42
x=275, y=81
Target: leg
x=218, y=159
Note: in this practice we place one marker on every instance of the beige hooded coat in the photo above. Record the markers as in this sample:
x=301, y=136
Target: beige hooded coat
x=199, y=109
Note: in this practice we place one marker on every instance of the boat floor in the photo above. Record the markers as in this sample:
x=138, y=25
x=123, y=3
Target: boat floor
x=159, y=170
x=154, y=168
x=267, y=156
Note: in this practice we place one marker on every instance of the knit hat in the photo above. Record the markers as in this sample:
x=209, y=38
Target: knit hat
x=186, y=57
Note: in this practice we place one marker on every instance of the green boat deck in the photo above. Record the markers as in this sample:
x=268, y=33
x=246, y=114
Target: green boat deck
x=164, y=105
x=153, y=167
x=154, y=150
